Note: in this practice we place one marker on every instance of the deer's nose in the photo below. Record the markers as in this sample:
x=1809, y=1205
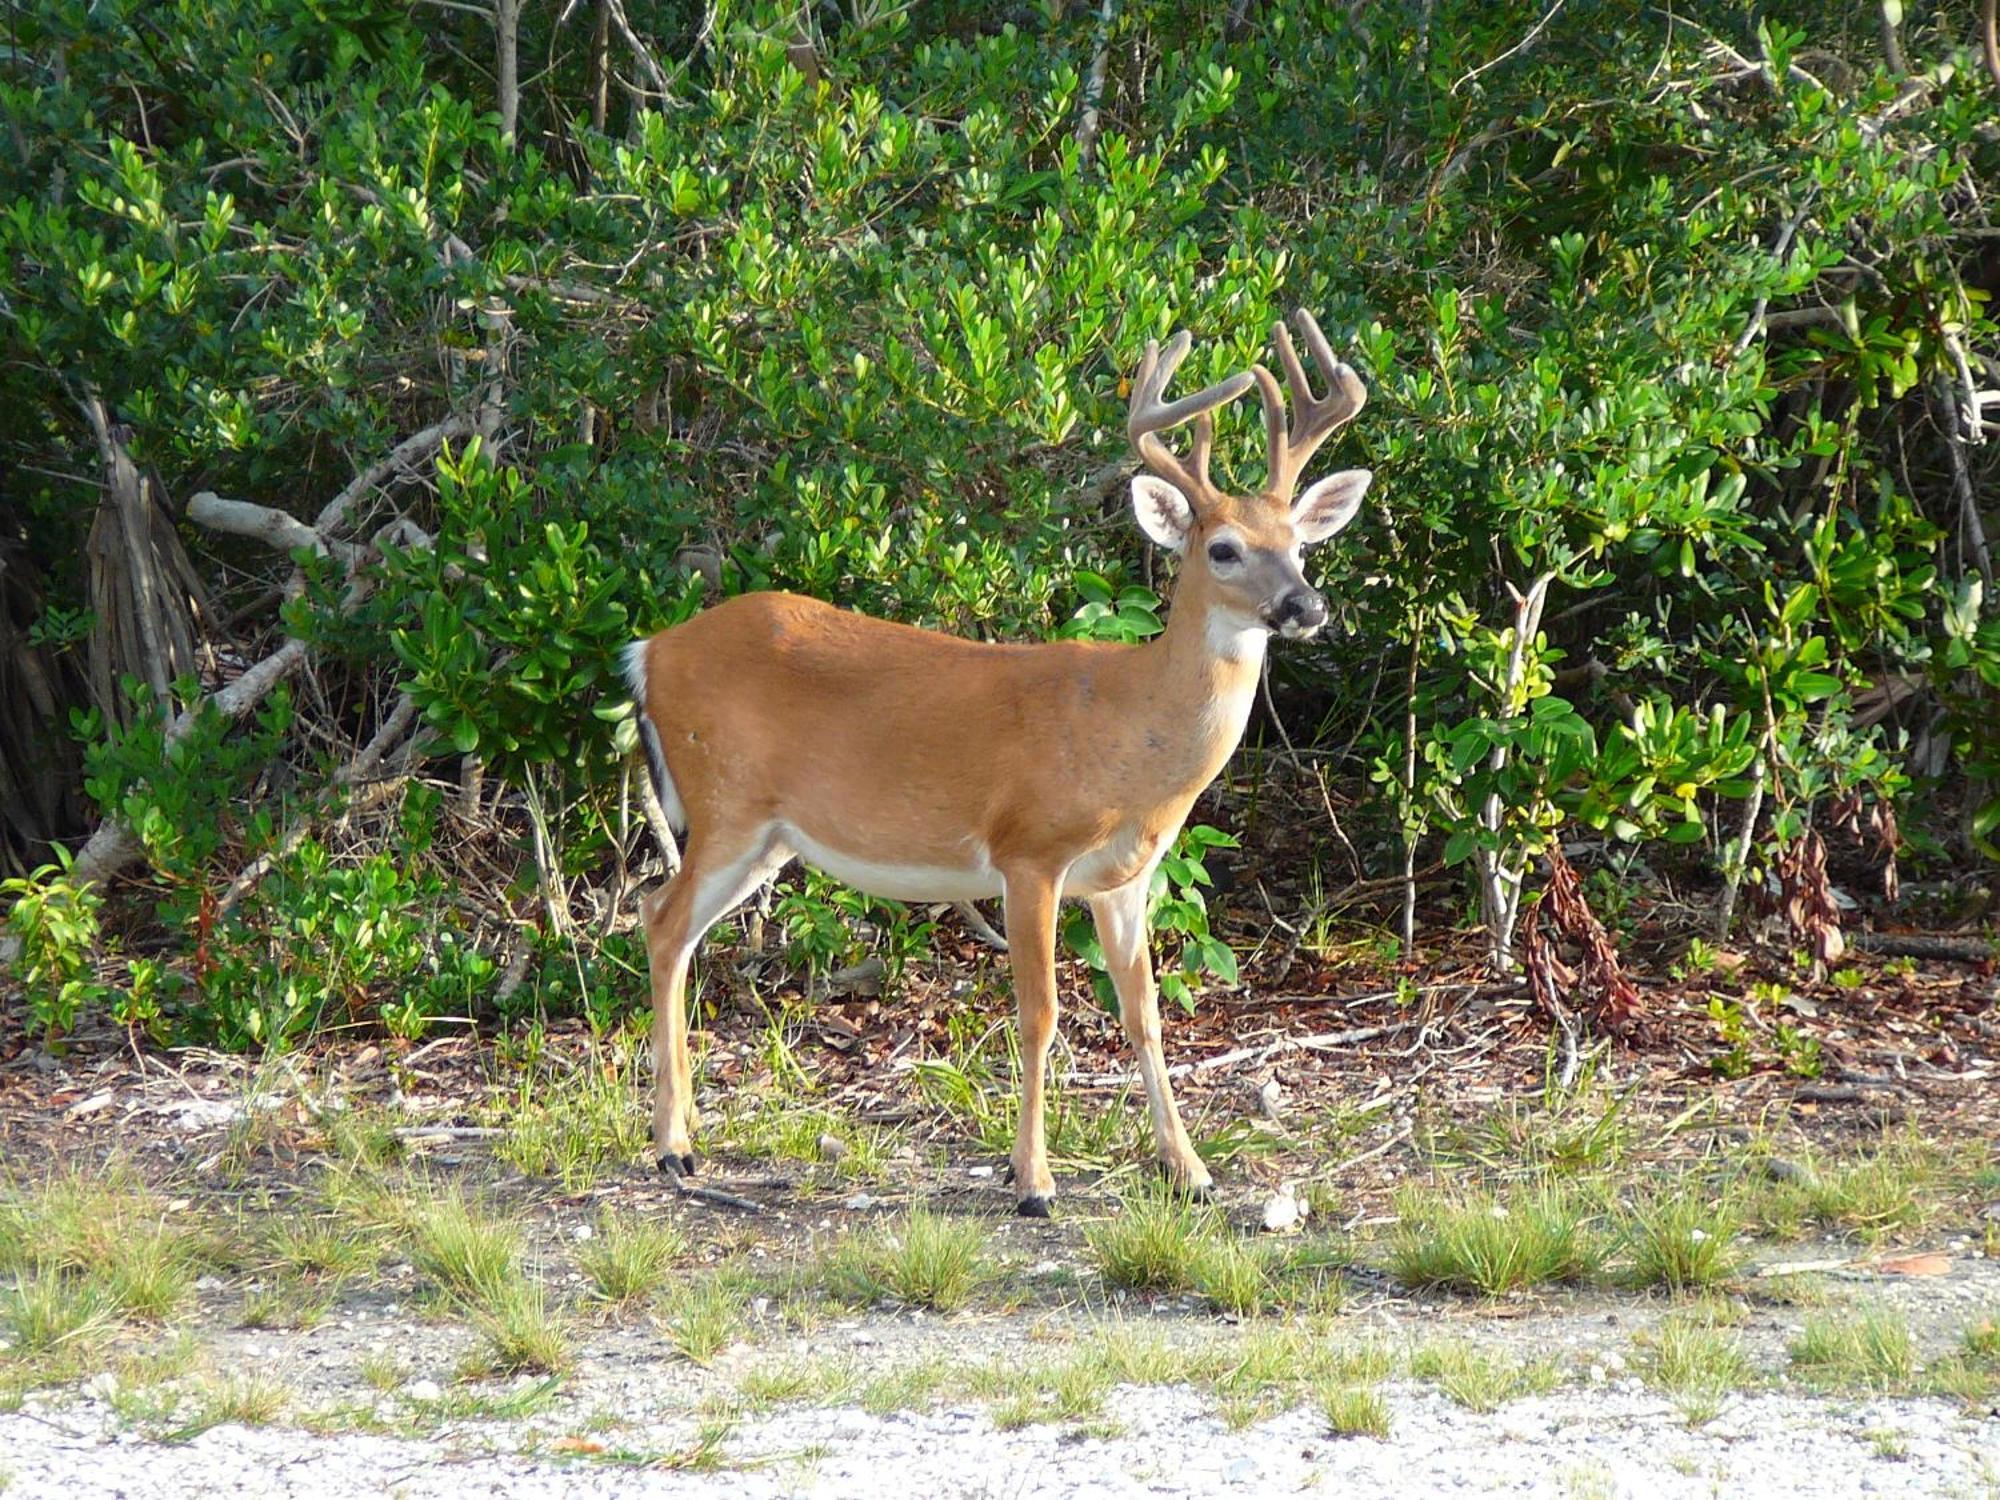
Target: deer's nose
x=1299, y=613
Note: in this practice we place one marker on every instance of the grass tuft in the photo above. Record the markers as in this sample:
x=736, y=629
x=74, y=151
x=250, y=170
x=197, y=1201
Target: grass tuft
x=468, y=1256
x=289, y=1302
x=1863, y=1348
x=925, y=1260
x=1682, y=1240
x=1479, y=1378
x=47, y=1313
x=1354, y=1410
x=701, y=1315
x=321, y=1247
x=1696, y=1362
x=246, y=1400
x=578, y=1124
x=110, y=1230
x=1477, y=1242
x=627, y=1258
x=1159, y=1242
x=522, y=1332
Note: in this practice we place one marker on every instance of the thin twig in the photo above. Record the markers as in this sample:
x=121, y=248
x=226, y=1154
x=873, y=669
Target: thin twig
x=1093, y=88
x=1534, y=32
x=702, y=1193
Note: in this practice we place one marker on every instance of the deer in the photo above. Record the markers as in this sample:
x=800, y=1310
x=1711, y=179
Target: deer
x=920, y=766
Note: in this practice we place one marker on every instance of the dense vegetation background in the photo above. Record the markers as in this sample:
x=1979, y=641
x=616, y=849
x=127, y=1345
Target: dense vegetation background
x=541, y=323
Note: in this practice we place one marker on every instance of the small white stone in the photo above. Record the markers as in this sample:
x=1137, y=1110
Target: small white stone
x=1282, y=1211
x=1240, y=1470
x=581, y=1233
x=103, y=1385
x=979, y=1172
x=423, y=1390
x=859, y=1201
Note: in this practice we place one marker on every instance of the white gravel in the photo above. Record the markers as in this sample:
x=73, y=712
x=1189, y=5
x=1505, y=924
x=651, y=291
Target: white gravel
x=1581, y=1442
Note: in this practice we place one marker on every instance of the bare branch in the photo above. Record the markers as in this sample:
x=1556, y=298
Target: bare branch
x=1989, y=38
x=1534, y=34
x=403, y=456
x=263, y=523
x=1093, y=88
x=362, y=766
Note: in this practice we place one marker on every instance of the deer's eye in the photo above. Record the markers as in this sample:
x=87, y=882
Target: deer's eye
x=1224, y=552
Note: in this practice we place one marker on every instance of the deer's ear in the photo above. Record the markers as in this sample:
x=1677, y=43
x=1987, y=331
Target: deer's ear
x=1163, y=511
x=1329, y=505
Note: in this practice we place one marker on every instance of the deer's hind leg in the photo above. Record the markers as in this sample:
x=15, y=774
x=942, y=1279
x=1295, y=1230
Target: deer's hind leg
x=716, y=876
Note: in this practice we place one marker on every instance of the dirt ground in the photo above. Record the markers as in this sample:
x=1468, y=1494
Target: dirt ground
x=1339, y=1085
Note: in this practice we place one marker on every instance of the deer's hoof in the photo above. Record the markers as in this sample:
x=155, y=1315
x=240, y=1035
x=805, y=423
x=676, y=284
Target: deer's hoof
x=1034, y=1206
x=677, y=1166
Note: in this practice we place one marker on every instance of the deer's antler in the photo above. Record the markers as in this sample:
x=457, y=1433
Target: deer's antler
x=1317, y=418
x=1148, y=417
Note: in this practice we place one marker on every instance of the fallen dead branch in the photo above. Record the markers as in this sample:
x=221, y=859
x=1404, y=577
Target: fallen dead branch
x=113, y=845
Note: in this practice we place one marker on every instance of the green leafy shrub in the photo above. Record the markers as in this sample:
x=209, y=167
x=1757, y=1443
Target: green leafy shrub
x=55, y=920
x=1686, y=338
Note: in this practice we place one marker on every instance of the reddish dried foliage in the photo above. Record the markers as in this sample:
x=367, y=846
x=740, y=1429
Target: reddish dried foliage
x=1595, y=985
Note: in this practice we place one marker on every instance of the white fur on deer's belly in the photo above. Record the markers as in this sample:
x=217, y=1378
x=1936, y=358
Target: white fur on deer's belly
x=973, y=881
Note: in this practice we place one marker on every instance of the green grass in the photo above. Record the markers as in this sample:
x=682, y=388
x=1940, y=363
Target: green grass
x=578, y=1123
x=922, y=1260
x=321, y=1246
x=775, y=1126
x=1696, y=1362
x=909, y=1387
x=1860, y=1348
x=1893, y=1192
x=1353, y=1410
x=1236, y=1277
x=1474, y=1241
x=627, y=1258
x=1982, y=1339
x=701, y=1316
x=382, y=1369
x=48, y=1313
x=1069, y=1390
x=470, y=1257
x=1971, y=1373
x=247, y=1400
x=1681, y=1239
x=794, y=1380
x=109, y=1229
x=520, y=1331
x=1158, y=1242
x=1482, y=1379
x=288, y=1302
x=154, y=1276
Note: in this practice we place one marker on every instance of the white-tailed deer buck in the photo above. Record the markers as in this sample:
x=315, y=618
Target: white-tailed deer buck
x=921, y=767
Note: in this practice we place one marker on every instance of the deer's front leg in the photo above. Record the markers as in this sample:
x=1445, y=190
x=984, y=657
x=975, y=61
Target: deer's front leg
x=1121, y=929
x=1031, y=953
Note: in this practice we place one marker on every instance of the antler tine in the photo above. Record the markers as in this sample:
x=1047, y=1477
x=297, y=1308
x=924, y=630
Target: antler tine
x=1148, y=417
x=1318, y=417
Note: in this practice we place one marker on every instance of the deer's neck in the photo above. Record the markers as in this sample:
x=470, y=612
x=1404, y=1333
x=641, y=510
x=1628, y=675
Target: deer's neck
x=1201, y=672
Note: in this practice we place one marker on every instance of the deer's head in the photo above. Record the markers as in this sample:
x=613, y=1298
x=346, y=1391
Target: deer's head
x=1243, y=552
